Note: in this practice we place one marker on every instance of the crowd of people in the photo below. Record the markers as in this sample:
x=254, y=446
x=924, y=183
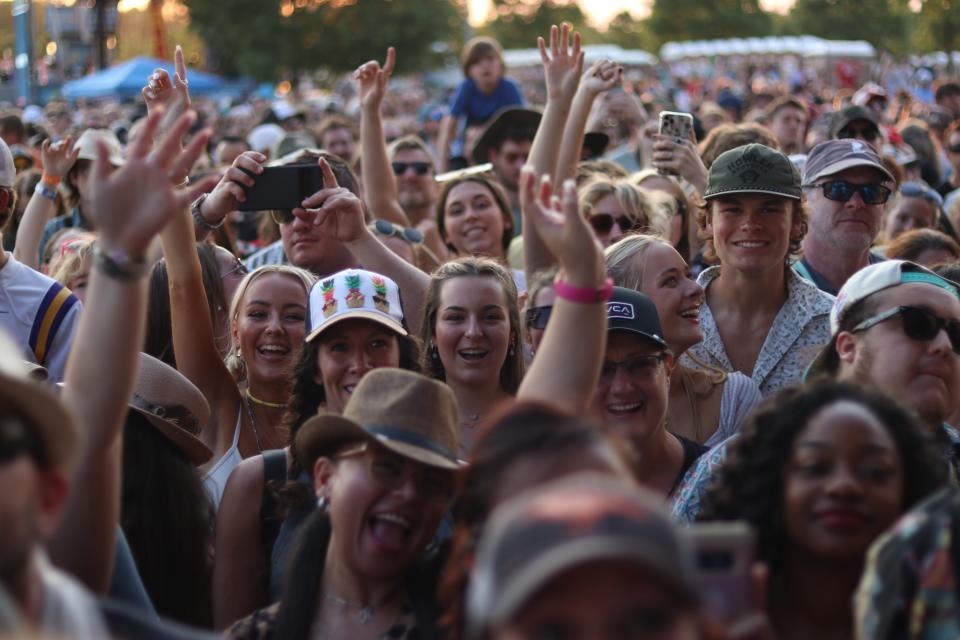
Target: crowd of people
x=531, y=368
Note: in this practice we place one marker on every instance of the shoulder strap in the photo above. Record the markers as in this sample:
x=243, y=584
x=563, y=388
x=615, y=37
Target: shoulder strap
x=53, y=308
x=274, y=472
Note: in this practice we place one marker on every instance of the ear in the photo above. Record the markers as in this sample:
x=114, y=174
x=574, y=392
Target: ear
x=323, y=474
x=53, y=491
x=846, y=347
x=669, y=364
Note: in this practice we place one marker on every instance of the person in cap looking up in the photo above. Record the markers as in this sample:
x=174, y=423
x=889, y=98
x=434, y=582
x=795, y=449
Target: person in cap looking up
x=896, y=325
x=383, y=474
x=40, y=314
x=845, y=186
x=758, y=316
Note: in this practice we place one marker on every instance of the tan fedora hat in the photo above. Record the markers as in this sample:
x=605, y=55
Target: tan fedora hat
x=87, y=143
x=38, y=404
x=173, y=405
x=403, y=411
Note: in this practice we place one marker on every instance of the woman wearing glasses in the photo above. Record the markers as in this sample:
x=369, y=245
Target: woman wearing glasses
x=758, y=316
x=615, y=208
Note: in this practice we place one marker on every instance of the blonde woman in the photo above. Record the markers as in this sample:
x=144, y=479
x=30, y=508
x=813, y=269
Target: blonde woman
x=72, y=262
x=708, y=405
x=615, y=208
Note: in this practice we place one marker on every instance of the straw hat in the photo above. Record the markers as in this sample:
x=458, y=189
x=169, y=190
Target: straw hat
x=408, y=413
x=173, y=405
x=87, y=143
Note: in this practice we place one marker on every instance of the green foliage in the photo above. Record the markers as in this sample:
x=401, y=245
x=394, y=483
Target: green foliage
x=883, y=23
x=938, y=27
x=519, y=22
x=255, y=38
x=629, y=33
x=697, y=20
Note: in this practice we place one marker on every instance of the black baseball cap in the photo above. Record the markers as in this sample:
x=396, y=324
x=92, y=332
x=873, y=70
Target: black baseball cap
x=849, y=115
x=629, y=310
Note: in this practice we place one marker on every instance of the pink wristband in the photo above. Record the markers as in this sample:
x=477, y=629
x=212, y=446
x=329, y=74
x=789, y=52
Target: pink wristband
x=583, y=295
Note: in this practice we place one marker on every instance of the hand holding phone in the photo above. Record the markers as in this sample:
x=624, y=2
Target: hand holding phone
x=281, y=188
x=676, y=124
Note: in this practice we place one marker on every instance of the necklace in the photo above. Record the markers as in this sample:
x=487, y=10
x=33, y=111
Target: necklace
x=253, y=422
x=365, y=611
x=272, y=405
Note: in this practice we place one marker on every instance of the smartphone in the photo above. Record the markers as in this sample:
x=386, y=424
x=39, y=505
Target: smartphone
x=281, y=187
x=725, y=554
x=676, y=124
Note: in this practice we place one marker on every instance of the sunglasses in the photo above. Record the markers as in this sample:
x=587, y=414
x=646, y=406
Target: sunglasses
x=842, y=191
x=918, y=324
x=914, y=190
x=639, y=367
x=537, y=317
x=420, y=168
x=282, y=216
x=392, y=471
x=389, y=230
x=238, y=267
x=866, y=134
x=603, y=223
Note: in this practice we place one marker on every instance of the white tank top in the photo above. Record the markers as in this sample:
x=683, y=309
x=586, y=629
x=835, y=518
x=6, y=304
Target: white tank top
x=216, y=478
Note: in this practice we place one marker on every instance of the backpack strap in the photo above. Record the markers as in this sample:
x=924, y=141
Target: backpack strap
x=274, y=473
x=54, y=307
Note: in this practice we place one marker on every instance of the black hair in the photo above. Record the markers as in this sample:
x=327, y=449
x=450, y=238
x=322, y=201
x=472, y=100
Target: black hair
x=168, y=519
x=750, y=485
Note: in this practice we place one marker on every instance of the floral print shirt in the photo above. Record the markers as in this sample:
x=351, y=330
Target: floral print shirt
x=800, y=330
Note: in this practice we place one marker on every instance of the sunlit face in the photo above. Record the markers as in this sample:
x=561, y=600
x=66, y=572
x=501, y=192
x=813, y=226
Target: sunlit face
x=415, y=191
x=473, y=221
x=348, y=351
x=850, y=226
x=472, y=330
x=911, y=213
x=843, y=484
x=667, y=282
x=339, y=141
x=269, y=327
x=609, y=221
x=603, y=600
x=307, y=247
x=632, y=392
x=752, y=231
x=509, y=160
x=789, y=125
x=381, y=514
x=486, y=72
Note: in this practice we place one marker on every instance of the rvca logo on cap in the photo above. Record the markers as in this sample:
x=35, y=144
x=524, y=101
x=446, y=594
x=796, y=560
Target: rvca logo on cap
x=622, y=310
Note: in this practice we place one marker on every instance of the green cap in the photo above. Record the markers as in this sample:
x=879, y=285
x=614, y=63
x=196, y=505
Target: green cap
x=753, y=168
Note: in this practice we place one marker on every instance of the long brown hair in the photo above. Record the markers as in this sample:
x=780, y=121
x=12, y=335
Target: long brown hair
x=499, y=196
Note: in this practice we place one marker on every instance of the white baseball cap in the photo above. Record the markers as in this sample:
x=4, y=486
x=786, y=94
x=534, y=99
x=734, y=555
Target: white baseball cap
x=8, y=171
x=354, y=293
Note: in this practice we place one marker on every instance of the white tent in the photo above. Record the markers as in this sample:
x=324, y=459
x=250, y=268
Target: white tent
x=805, y=46
x=633, y=57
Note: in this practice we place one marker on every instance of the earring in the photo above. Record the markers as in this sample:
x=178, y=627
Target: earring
x=322, y=503
x=434, y=352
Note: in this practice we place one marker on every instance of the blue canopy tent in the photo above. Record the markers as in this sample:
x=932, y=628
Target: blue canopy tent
x=125, y=80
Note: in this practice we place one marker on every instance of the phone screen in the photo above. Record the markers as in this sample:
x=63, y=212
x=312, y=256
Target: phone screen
x=282, y=187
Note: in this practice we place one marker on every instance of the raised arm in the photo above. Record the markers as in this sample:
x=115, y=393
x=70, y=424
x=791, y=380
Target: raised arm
x=130, y=206
x=562, y=68
x=340, y=215
x=600, y=77
x=567, y=365
x=379, y=183
x=57, y=159
x=448, y=130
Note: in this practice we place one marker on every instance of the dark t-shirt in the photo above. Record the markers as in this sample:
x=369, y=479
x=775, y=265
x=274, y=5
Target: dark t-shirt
x=691, y=452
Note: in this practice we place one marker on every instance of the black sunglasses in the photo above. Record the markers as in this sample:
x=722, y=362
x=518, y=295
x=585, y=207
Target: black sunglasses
x=866, y=134
x=918, y=324
x=537, y=317
x=603, y=223
x=282, y=216
x=420, y=168
x=388, y=229
x=841, y=191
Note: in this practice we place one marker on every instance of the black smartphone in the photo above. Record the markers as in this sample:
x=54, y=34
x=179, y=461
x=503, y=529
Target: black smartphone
x=281, y=187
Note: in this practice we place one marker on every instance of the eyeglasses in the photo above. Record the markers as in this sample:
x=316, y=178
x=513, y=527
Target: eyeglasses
x=238, y=267
x=420, y=168
x=537, y=317
x=638, y=367
x=389, y=230
x=915, y=190
x=842, y=191
x=392, y=471
x=603, y=223
x=868, y=133
x=282, y=216
x=918, y=324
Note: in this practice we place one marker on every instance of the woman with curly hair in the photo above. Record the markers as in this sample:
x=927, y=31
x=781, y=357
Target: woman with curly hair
x=758, y=316
x=820, y=472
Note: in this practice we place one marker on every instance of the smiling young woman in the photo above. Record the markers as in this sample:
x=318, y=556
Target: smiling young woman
x=758, y=316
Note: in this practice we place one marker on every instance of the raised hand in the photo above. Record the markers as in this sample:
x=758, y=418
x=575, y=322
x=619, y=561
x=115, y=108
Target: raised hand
x=58, y=157
x=133, y=203
x=172, y=97
x=680, y=157
x=229, y=191
x=602, y=75
x=372, y=80
x=562, y=67
x=334, y=208
x=563, y=230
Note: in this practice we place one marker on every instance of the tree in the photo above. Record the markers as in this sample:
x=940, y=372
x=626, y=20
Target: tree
x=696, y=20
x=883, y=23
x=519, y=22
x=629, y=33
x=939, y=26
x=272, y=39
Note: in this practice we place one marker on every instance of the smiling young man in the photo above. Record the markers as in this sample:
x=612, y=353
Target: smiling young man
x=845, y=186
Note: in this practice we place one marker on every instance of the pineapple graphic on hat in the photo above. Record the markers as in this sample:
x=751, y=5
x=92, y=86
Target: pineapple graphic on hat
x=354, y=297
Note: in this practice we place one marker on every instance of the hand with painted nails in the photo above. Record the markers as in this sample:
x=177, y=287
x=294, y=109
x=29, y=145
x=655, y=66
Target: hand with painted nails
x=602, y=76
x=133, y=203
x=556, y=217
x=335, y=209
